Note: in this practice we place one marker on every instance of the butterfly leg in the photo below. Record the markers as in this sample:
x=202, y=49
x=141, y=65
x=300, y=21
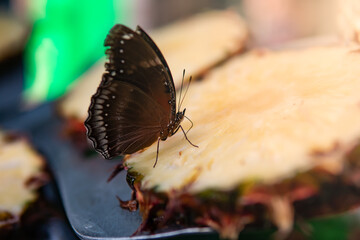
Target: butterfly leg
x=187, y=137
x=157, y=152
x=192, y=124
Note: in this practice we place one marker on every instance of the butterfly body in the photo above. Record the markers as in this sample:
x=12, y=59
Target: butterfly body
x=173, y=126
x=135, y=103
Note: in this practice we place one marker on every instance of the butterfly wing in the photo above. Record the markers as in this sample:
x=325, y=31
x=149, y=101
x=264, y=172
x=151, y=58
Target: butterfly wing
x=136, y=98
x=122, y=119
x=135, y=58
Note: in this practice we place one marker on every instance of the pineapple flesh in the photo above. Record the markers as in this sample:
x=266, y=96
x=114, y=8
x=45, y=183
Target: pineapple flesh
x=272, y=129
x=348, y=20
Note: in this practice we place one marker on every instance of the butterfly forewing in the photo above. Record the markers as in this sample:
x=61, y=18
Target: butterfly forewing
x=134, y=57
x=136, y=98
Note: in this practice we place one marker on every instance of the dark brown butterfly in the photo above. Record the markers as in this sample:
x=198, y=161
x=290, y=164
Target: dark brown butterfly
x=135, y=104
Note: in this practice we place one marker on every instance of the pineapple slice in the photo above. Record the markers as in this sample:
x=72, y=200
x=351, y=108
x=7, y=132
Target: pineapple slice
x=200, y=42
x=195, y=44
x=260, y=112
x=272, y=128
x=20, y=168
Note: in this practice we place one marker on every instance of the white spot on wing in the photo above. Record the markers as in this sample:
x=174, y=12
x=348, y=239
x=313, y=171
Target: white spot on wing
x=127, y=36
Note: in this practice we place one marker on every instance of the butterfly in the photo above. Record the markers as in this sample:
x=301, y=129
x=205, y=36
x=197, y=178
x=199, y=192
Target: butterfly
x=135, y=103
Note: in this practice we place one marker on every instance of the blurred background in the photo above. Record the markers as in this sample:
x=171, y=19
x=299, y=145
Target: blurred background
x=45, y=45
x=59, y=40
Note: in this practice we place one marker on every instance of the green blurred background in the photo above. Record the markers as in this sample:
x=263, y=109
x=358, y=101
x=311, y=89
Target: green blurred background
x=66, y=40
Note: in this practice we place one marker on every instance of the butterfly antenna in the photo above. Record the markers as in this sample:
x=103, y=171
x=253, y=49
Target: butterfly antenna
x=181, y=88
x=187, y=137
x=187, y=88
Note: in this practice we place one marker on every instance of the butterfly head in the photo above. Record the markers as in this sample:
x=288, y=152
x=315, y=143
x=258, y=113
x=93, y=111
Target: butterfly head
x=180, y=116
x=174, y=126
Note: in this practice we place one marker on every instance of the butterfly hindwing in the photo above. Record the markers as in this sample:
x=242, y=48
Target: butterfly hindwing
x=122, y=119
